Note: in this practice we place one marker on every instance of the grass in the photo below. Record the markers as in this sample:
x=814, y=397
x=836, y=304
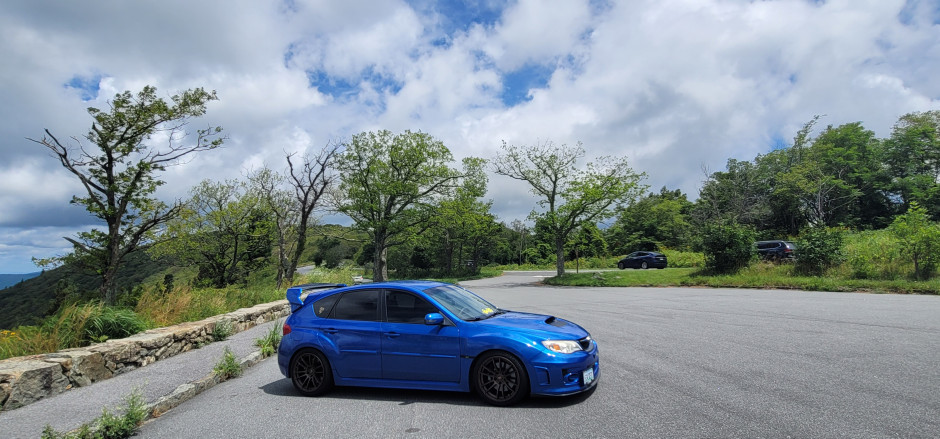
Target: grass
x=759, y=275
x=624, y=278
x=228, y=366
x=109, y=425
x=270, y=341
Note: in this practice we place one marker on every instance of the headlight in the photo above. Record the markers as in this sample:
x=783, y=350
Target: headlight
x=562, y=346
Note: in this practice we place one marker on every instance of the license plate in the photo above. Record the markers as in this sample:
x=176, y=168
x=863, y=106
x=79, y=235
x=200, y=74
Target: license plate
x=588, y=376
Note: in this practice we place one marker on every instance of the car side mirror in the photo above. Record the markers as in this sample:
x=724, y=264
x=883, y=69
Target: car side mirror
x=434, y=319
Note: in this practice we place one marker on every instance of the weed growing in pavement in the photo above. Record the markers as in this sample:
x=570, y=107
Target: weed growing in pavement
x=109, y=425
x=228, y=366
x=270, y=341
x=223, y=329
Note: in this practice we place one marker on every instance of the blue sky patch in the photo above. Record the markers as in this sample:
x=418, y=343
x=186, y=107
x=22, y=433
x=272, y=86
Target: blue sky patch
x=777, y=141
x=516, y=84
x=459, y=16
x=911, y=8
x=87, y=86
x=338, y=88
x=344, y=88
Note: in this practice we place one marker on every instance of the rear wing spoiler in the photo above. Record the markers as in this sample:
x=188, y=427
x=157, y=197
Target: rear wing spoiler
x=294, y=293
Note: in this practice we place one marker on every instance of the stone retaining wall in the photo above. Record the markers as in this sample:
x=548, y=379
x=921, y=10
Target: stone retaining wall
x=24, y=380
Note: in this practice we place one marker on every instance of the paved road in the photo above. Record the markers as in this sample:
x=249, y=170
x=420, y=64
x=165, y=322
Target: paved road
x=676, y=362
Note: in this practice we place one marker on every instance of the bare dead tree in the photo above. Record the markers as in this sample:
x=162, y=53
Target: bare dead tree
x=311, y=177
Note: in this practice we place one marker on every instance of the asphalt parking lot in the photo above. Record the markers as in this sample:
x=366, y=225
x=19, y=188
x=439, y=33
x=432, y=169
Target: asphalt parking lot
x=675, y=362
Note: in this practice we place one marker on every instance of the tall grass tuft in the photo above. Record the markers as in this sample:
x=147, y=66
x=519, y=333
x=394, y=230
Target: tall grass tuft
x=109, y=425
x=228, y=366
x=113, y=323
x=874, y=255
x=270, y=341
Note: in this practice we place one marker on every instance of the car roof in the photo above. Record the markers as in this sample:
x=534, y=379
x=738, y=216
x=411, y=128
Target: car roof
x=408, y=284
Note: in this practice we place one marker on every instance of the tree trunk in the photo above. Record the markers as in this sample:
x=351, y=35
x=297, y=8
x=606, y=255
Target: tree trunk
x=298, y=250
x=107, y=291
x=380, y=262
x=560, y=254
x=448, y=253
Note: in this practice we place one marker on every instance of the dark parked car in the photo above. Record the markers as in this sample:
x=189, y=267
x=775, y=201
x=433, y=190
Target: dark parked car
x=433, y=336
x=643, y=260
x=776, y=250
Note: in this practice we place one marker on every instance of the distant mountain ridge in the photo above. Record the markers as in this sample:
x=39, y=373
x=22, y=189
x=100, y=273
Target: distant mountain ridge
x=7, y=280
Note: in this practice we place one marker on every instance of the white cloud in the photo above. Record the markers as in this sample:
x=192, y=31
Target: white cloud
x=673, y=84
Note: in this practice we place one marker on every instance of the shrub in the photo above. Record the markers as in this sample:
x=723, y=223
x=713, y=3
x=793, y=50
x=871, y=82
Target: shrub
x=681, y=259
x=727, y=246
x=819, y=249
x=920, y=240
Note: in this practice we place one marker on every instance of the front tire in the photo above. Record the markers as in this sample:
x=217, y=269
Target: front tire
x=620, y=265
x=644, y=265
x=500, y=378
x=310, y=372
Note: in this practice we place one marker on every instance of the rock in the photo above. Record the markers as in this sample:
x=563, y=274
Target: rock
x=31, y=380
x=87, y=367
x=4, y=393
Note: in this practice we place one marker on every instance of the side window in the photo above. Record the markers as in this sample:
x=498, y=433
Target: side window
x=402, y=307
x=323, y=306
x=357, y=305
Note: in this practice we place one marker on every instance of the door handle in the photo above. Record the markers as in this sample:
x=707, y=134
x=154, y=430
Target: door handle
x=392, y=334
x=331, y=330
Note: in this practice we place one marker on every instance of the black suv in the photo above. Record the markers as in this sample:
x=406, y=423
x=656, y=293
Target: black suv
x=776, y=250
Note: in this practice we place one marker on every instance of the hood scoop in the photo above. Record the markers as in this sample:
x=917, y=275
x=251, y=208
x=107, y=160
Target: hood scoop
x=555, y=322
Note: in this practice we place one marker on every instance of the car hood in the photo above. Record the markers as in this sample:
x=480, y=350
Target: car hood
x=548, y=327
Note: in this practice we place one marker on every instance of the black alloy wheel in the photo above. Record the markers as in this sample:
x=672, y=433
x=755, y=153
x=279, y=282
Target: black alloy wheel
x=620, y=265
x=310, y=372
x=500, y=379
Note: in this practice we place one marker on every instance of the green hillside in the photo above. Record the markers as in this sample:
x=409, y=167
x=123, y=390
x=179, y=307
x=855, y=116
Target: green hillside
x=27, y=302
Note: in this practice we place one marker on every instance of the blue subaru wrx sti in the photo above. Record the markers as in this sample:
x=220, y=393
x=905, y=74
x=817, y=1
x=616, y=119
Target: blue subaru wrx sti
x=429, y=335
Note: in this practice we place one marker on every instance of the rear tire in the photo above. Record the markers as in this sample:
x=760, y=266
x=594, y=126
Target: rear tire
x=644, y=265
x=620, y=265
x=310, y=372
x=500, y=378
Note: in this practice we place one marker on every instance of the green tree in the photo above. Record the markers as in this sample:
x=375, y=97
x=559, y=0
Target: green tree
x=222, y=229
x=572, y=196
x=920, y=240
x=389, y=183
x=119, y=174
x=464, y=228
x=737, y=194
x=653, y=222
x=912, y=155
x=587, y=242
x=278, y=202
x=845, y=167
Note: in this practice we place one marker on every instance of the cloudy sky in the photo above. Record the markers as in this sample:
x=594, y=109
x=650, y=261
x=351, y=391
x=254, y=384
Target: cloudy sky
x=677, y=86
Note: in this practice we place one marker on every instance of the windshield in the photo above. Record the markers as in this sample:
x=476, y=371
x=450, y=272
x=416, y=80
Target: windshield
x=464, y=304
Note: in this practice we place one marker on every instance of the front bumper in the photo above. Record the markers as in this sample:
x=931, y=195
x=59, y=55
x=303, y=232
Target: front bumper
x=565, y=374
